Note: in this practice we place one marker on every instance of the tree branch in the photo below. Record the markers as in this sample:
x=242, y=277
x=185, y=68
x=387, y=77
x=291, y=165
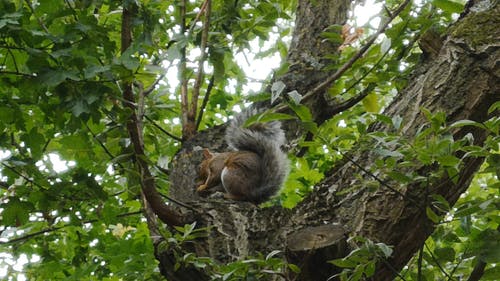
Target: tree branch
x=163, y=211
x=101, y=144
x=198, y=16
x=478, y=271
x=205, y=101
x=18, y=73
x=55, y=228
x=187, y=131
x=437, y=263
x=199, y=78
x=161, y=129
x=22, y=176
x=151, y=88
x=40, y=22
x=325, y=84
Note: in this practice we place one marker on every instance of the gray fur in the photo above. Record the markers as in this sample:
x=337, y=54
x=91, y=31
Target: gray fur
x=265, y=140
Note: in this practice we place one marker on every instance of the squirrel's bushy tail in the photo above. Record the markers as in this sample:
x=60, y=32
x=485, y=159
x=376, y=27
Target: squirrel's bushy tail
x=264, y=139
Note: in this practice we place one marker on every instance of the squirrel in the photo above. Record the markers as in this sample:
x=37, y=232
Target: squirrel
x=257, y=167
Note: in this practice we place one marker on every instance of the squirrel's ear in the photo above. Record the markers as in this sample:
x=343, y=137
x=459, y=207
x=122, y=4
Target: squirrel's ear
x=207, y=154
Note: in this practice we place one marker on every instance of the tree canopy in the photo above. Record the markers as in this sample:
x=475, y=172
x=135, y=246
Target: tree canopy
x=105, y=104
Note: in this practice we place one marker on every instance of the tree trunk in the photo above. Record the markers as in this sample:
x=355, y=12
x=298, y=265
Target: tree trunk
x=461, y=79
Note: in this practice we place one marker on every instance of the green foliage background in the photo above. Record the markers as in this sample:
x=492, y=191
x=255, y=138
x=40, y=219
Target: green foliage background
x=60, y=94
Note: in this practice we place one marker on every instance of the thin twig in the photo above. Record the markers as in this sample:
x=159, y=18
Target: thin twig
x=461, y=259
x=186, y=132
x=437, y=263
x=325, y=84
x=55, y=228
x=13, y=60
x=205, y=101
x=30, y=6
x=354, y=100
x=152, y=222
x=198, y=16
x=200, y=75
x=359, y=54
x=419, y=262
x=391, y=268
x=177, y=202
x=379, y=180
x=152, y=87
x=18, y=74
x=337, y=109
x=72, y=10
x=106, y=150
x=161, y=129
x=23, y=176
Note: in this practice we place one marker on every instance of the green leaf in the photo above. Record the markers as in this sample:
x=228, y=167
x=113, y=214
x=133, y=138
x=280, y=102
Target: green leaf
x=302, y=112
x=495, y=106
x=431, y=215
x=6, y=115
x=35, y=141
x=53, y=78
x=293, y=268
x=370, y=269
x=388, y=153
x=447, y=254
x=371, y=103
x=80, y=107
x=387, y=250
x=491, y=273
x=310, y=126
x=440, y=202
x=462, y=123
x=291, y=200
x=400, y=177
x=487, y=246
x=448, y=161
x=449, y=6
x=15, y=212
x=384, y=119
x=333, y=37
x=344, y=263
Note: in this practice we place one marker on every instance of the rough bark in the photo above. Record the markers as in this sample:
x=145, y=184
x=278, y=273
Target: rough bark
x=461, y=79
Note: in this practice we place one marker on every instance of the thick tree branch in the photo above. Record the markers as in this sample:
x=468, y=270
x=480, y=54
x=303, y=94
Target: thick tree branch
x=458, y=81
x=134, y=127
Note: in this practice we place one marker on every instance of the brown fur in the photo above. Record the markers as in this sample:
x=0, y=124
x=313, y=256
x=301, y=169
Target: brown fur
x=239, y=172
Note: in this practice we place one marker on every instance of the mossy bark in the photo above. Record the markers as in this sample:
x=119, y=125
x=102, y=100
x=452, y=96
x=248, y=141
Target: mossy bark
x=460, y=80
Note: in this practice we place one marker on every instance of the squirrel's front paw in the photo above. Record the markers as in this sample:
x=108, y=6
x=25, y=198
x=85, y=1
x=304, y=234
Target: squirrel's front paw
x=201, y=187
